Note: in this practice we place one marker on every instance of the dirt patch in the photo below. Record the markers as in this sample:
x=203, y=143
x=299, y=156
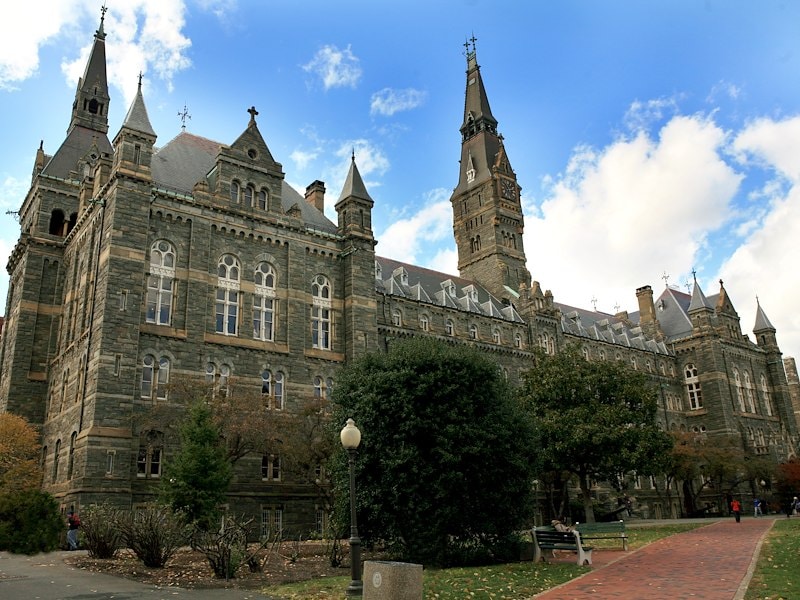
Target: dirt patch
x=190, y=569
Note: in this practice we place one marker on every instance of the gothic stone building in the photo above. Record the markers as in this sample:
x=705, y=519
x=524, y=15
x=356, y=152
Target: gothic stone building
x=136, y=265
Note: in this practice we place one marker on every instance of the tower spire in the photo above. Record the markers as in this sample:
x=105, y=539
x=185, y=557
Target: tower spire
x=90, y=109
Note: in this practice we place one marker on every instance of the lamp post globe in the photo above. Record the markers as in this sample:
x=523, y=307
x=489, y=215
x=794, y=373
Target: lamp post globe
x=351, y=438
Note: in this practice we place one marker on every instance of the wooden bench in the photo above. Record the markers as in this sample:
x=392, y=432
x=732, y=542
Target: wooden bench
x=614, y=530
x=547, y=538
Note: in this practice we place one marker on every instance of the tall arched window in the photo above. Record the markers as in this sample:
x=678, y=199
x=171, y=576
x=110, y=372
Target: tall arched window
x=272, y=389
x=766, y=394
x=71, y=461
x=148, y=371
x=56, y=457
x=321, y=313
x=162, y=381
x=518, y=340
x=235, y=191
x=261, y=199
x=160, y=283
x=248, y=195
x=495, y=335
x=264, y=302
x=473, y=331
x=397, y=317
x=227, y=305
x=737, y=381
x=749, y=392
x=692, y=382
x=449, y=328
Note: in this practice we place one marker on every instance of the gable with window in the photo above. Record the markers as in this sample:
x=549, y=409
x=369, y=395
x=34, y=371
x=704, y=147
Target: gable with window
x=160, y=283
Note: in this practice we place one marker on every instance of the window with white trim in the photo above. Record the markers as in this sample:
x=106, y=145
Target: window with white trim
x=264, y=302
x=397, y=317
x=235, y=191
x=271, y=522
x=155, y=377
x=749, y=392
x=495, y=335
x=227, y=304
x=767, y=395
x=692, y=383
x=271, y=467
x=160, y=283
x=424, y=323
x=261, y=199
x=272, y=389
x=473, y=331
x=518, y=340
x=148, y=459
x=449, y=329
x=321, y=313
x=737, y=381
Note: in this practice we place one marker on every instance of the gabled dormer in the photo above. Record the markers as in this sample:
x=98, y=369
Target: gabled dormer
x=246, y=175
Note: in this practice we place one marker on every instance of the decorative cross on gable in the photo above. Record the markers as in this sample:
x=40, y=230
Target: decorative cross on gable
x=253, y=112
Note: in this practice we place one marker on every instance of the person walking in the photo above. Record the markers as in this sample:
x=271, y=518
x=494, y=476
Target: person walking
x=73, y=524
x=757, y=508
x=736, y=508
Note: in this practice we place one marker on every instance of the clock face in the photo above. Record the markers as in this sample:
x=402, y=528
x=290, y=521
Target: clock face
x=509, y=190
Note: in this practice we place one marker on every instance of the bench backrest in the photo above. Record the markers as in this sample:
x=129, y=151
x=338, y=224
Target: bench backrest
x=551, y=536
x=612, y=527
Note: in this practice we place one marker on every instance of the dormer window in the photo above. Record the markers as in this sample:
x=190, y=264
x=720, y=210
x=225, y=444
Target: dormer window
x=401, y=274
x=449, y=287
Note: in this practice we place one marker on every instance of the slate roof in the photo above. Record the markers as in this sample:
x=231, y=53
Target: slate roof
x=188, y=158
x=137, y=118
x=395, y=278
x=607, y=328
x=79, y=140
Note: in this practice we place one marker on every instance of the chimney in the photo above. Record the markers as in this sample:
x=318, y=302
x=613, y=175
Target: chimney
x=647, y=313
x=315, y=195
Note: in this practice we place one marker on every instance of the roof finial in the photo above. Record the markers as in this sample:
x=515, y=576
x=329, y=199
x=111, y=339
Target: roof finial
x=184, y=114
x=694, y=275
x=665, y=277
x=253, y=112
x=100, y=32
x=140, y=81
x=469, y=44
x=720, y=283
x=353, y=154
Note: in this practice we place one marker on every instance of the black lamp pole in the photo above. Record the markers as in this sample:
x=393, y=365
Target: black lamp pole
x=351, y=437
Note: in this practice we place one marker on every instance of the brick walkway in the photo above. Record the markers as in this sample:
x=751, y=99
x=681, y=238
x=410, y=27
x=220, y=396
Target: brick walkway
x=711, y=563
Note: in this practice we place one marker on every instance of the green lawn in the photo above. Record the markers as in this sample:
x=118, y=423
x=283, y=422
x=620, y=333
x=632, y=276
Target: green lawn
x=777, y=574
x=513, y=581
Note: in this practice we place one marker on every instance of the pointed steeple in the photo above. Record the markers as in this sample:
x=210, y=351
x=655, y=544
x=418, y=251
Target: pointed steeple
x=90, y=108
x=699, y=300
x=137, y=118
x=354, y=186
x=354, y=205
x=762, y=321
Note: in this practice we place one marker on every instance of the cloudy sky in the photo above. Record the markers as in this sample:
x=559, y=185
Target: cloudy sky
x=651, y=138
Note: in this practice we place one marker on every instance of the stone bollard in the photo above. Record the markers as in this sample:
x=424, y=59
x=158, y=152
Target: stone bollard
x=390, y=580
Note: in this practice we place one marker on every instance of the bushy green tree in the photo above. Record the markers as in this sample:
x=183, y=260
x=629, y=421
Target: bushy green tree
x=443, y=471
x=596, y=419
x=30, y=522
x=197, y=478
x=19, y=455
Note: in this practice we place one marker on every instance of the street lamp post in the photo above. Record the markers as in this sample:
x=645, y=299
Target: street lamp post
x=351, y=438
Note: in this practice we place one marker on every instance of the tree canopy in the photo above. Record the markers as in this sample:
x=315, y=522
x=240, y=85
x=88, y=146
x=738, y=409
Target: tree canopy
x=443, y=471
x=595, y=419
x=19, y=455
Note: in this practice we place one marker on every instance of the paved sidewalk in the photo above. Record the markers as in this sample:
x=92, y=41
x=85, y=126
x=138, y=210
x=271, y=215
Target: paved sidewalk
x=48, y=577
x=711, y=563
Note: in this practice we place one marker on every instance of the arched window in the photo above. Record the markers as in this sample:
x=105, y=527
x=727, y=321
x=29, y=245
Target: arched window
x=271, y=467
x=321, y=313
x=397, y=317
x=767, y=395
x=160, y=283
x=585, y=353
x=692, y=382
x=749, y=392
x=473, y=331
x=249, y=192
x=148, y=370
x=264, y=302
x=235, y=191
x=495, y=335
x=424, y=323
x=737, y=381
x=56, y=457
x=602, y=354
x=518, y=340
x=272, y=389
x=633, y=363
x=56, y=222
x=162, y=381
x=449, y=328
x=71, y=461
x=261, y=199
x=227, y=304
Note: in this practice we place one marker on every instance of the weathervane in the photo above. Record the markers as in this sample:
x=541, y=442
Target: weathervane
x=665, y=277
x=184, y=115
x=594, y=302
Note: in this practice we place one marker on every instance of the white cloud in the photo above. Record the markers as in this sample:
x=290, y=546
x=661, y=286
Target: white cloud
x=411, y=235
x=335, y=67
x=389, y=101
x=622, y=213
x=765, y=264
x=23, y=31
x=302, y=159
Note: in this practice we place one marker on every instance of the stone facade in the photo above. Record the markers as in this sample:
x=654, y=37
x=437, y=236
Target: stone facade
x=136, y=266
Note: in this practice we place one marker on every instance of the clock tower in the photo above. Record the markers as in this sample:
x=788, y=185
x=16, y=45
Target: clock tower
x=487, y=214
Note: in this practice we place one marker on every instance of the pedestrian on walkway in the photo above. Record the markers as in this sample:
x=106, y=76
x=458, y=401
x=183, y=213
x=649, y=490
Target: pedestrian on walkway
x=736, y=508
x=757, y=508
x=73, y=524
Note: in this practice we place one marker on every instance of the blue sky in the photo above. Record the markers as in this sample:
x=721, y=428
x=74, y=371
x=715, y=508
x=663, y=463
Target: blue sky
x=649, y=138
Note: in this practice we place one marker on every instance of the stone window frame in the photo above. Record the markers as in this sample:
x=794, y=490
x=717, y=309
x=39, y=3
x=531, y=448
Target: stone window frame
x=496, y=337
x=150, y=455
x=321, y=312
x=271, y=467
x=271, y=521
x=691, y=382
x=397, y=317
x=161, y=283
x=737, y=383
x=273, y=389
x=749, y=391
x=767, y=395
x=449, y=327
x=56, y=458
x=265, y=280
x=226, y=312
x=235, y=191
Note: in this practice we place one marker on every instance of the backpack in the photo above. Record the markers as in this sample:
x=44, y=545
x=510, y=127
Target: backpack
x=76, y=521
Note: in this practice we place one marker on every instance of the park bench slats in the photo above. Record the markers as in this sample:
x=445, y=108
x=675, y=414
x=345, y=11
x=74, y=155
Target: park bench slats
x=604, y=531
x=550, y=539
